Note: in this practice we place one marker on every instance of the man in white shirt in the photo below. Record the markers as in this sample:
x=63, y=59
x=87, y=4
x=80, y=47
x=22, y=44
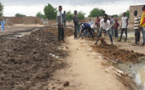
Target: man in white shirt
x=124, y=24
x=90, y=22
x=59, y=19
x=105, y=26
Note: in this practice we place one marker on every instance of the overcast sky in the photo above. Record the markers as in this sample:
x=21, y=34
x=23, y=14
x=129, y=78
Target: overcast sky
x=31, y=7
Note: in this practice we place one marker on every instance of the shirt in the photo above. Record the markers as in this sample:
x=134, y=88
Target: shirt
x=91, y=23
x=61, y=18
x=79, y=25
x=124, y=22
x=112, y=20
x=85, y=25
x=2, y=23
x=75, y=20
x=64, y=17
x=105, y=26
x=116, y=25
x=98, y=21
x=136, y=22
x=143, y=19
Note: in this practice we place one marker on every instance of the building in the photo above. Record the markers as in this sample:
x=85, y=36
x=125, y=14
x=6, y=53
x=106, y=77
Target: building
x=132, y=9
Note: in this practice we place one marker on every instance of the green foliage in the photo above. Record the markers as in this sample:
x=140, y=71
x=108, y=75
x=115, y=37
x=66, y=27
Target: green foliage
x=81, y=15
x=1, y=9
x=96, y=12
x=19, y=15
x=69, y=15
x=115, y=15
x=127, y=13
x=39, y=14
x=50, y=12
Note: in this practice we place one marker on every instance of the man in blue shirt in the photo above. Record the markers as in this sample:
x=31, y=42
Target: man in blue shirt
x=2, y=25
x=86, y=26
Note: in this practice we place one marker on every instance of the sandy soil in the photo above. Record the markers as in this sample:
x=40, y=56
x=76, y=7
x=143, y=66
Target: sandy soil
x=85, y=70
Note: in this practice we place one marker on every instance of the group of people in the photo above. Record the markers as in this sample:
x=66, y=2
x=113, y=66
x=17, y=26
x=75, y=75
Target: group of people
x=105, y=25
x=139, y=25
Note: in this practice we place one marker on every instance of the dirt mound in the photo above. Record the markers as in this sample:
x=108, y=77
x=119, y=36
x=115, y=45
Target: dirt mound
x=54, y=30
x=28, y=62
x=113, y=52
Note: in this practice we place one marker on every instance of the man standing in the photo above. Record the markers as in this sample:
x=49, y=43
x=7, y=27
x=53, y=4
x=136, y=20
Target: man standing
x=60, y=25
x=112, y=22
x=104, y=26
x=2, y=25
x=116, y=25
x=75, y=20
x=136, y=27
x=98, y=24
x=142, y=24
x=90, y=22
x=124, y=24
x=64, y=18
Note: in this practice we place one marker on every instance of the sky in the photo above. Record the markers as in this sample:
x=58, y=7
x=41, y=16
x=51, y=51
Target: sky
x=31, y=7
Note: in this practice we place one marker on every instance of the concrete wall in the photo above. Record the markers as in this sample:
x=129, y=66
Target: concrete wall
x=132, y=9
x=22, y=20
x=95, y=18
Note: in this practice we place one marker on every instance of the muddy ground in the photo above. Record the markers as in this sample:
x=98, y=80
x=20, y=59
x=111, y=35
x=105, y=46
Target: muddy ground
x=27, y=63
x=118, y=55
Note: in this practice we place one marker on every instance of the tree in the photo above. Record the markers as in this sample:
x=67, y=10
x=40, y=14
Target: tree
x=39, y=14
x=19, y=15
x=81, y=15
x=50, y=12
x=69, y=15
x=96, y=12
x=115, y=15
x=127, y=13
x=1, y=9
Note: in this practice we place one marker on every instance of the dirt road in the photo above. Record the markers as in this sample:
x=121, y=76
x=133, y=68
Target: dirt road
x=85, y=70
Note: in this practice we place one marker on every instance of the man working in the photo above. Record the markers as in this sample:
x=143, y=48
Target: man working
x=124, y=24
x=105, y=26
x=75, y=20
x=60, y=25
x=86, y=26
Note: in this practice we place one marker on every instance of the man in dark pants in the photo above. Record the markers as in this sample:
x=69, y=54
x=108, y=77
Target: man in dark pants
x=136, y=27
x=104, y=27
x=75, y=20
x=86, y=26
x=64, y=18
x=124, y=24
x=60, y=25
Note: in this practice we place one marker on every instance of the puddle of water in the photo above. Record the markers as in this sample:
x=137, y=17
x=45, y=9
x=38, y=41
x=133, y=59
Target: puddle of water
x=139, y=71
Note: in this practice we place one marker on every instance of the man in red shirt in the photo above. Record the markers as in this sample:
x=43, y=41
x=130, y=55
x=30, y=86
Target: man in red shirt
x=98, y=23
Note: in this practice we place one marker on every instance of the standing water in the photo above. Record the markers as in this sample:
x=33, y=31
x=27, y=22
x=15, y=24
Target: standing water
x=138, y=71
